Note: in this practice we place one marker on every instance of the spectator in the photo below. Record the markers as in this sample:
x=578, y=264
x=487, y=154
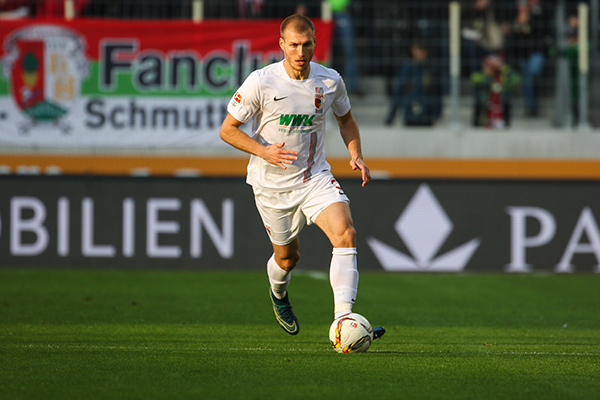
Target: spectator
x=216, y=9
x=309, y=8
x=12, y=9
x=492, y=89
x=144, y=9
x=529, y=38
x=250, y=8
x=571, y=53
x=481, y=34
x=56, y=8
x=344, y=36
x=418, y=90
x=278, y=9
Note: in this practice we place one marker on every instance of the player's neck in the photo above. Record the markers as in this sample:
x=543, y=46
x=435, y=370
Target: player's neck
x=299, y=75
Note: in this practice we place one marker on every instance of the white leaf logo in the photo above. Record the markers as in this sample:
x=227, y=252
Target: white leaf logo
x=424, y=226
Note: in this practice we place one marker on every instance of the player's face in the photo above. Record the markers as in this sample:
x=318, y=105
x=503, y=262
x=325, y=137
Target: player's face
x=298, y=49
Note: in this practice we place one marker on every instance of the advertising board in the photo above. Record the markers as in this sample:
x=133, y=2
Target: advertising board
x=210, y=223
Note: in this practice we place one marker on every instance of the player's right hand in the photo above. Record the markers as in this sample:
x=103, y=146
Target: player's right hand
x=277, y=155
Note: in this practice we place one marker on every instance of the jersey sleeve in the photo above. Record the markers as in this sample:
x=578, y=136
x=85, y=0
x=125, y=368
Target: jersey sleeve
x=246, y=101
x=341, y=102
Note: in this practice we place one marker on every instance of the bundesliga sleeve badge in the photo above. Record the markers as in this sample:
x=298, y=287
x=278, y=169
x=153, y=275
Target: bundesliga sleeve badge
x=236, y=100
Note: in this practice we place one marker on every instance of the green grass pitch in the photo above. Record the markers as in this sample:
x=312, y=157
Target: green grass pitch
x=114, y=334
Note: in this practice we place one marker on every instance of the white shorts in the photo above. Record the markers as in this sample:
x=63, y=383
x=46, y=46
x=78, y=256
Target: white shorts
x=284, y=214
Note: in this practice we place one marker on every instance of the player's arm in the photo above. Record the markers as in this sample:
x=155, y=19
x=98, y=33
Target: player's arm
x=274, y=154
x=351, y=137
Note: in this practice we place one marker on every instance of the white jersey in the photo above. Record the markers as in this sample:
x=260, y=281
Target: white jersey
x=289, y=111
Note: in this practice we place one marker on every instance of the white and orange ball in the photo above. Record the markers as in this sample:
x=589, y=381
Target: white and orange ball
x=351, y=333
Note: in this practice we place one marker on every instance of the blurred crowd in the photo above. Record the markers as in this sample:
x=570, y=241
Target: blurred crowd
x=159, y=9
x=506, y=45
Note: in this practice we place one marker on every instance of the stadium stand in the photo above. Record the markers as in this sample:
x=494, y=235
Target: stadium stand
x=562, y=129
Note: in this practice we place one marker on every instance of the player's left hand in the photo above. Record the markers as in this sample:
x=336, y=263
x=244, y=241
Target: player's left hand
x=358, y=163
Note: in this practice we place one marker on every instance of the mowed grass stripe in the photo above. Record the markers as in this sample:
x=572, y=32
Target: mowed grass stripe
x=291, y=349
x=114, y=334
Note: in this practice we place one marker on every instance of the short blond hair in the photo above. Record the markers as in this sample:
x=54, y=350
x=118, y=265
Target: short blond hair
x=297, y=23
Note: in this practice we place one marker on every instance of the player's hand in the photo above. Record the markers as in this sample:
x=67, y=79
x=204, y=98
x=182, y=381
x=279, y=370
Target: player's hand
x=358, y=163
x=277, y=155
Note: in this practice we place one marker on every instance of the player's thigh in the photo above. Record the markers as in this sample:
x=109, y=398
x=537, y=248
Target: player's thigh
x=322, y=191
x=328, y=206
x=336, y=222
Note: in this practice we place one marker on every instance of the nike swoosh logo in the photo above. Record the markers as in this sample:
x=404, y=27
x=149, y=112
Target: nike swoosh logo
x=279, y=98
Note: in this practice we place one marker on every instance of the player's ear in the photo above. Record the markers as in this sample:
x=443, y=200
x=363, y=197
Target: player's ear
x=281, y=43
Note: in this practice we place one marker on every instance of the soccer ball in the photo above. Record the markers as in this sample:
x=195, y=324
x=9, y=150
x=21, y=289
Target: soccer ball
x=351, y=333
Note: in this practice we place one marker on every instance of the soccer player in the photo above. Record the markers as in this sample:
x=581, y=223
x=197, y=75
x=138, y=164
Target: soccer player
x=291, y=179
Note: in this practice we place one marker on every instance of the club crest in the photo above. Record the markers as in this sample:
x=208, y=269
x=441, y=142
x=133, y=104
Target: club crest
x=319, y=100
x=45, y=65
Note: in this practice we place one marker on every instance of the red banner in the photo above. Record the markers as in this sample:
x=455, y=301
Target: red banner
x=95, y=82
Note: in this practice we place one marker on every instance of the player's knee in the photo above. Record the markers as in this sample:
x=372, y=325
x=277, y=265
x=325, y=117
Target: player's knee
x=347, y=238
x=288, y=262
x=350, y=237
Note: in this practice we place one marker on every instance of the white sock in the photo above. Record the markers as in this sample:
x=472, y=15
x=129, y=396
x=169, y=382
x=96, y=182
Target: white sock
x=343, y=276
x=278, y=278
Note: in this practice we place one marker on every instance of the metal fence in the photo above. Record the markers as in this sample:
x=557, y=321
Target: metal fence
x=527, y=50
